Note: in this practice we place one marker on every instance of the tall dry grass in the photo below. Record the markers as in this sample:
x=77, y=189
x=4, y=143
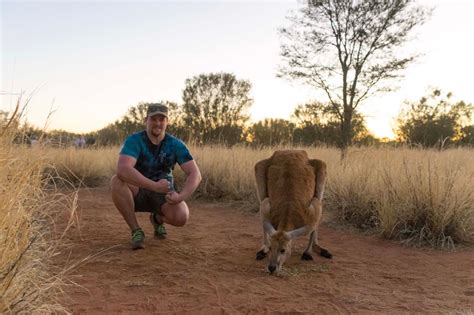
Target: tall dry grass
x=29, y=282
x=423, y=197
x=228, y=173
x=80, y=167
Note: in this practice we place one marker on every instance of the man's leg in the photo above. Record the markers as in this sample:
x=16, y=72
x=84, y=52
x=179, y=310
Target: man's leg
x=122, y=196
x=176, y=215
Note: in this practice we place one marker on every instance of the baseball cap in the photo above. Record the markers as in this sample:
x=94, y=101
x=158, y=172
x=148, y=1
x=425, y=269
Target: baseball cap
x=155, y=109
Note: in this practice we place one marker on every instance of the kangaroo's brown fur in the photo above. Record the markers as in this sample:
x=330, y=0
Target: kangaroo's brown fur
x=290, y=188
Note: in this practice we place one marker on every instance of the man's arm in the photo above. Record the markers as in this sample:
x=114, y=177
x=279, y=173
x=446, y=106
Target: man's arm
x=127, y=172
x=193, y=178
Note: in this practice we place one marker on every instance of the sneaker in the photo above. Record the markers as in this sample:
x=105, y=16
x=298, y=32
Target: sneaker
x=138, y=239
x=160, y=230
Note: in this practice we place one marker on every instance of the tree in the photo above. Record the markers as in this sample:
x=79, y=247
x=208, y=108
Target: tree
x=435, y=120
x=215, y=107
x=134, y=119
x=272, y=132
x=109, y=135
x=348, y=49
x=467, y=135
x=318, y=123
x=61, y=138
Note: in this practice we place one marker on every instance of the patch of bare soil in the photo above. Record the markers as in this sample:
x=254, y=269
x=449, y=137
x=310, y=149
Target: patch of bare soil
x=209, y=266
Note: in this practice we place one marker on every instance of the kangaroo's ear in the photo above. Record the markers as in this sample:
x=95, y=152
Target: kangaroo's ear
x=261, y=179
x=320, y=175
x=268, y=227
x=304, y=230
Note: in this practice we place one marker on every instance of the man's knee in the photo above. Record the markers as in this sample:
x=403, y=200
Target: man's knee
x=116, y=184
x=180, y=221
x=180, y=215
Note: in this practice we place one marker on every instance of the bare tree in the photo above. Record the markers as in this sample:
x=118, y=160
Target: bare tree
x=350, y=50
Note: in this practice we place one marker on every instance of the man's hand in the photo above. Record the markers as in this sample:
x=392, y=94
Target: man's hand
x=173, y=198
x=161, y=186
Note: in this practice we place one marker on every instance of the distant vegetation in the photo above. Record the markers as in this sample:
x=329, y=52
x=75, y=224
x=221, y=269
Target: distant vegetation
x=436, y=121
x=219, y=116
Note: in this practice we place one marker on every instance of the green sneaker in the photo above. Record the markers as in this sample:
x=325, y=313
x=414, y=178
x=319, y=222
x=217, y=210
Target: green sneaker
x=160, y=230
x=138, y=239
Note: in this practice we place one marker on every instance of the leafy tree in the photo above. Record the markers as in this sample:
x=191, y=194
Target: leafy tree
x=176, y=124
x=467, y=135
x=134, y=121
x=61, y=138
x=215, y=107
x=435, y=120
x=349, y=50
x=136, y=115
x=272, y=132
x=317, y=123
x=108, y=136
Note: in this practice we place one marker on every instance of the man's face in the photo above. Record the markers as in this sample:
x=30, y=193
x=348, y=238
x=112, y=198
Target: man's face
x=156, y=125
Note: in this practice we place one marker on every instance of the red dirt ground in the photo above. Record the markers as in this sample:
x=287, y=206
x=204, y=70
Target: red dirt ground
x=209, y=266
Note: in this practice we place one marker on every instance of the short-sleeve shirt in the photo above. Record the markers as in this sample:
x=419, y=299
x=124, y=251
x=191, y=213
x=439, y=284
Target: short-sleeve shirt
x=156, y=161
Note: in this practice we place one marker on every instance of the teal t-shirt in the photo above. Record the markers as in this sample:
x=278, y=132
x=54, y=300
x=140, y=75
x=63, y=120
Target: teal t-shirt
x=156, y=161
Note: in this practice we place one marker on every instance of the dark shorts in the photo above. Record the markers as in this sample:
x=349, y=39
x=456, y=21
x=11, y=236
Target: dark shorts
x=149, y=201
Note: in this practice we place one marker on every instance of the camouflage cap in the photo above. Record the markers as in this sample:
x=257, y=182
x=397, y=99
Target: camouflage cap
x=157, y=109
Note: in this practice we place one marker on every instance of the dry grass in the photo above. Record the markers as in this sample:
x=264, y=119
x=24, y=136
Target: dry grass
x=87, y=167
x=423, y=197
x=29, y=283
x=419, y=196
x=229, y=173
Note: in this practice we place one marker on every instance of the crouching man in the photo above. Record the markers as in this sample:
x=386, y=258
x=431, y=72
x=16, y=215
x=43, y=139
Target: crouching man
x=144, y=179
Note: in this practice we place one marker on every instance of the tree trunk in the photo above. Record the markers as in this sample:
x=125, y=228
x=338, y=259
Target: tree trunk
x=346, y=132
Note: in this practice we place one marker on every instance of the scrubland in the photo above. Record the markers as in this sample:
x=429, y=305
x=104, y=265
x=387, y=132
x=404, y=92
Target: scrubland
x=420, y=197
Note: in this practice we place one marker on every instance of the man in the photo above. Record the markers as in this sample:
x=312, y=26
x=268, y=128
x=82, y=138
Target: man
x=144, y=179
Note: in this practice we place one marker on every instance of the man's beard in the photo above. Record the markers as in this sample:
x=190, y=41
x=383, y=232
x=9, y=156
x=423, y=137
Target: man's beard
x=156, y=132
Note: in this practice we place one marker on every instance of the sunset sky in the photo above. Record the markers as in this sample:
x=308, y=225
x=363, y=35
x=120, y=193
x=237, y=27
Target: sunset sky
x=91, y=61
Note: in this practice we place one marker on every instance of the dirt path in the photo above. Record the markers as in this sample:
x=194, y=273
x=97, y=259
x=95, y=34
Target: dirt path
x=209, y=266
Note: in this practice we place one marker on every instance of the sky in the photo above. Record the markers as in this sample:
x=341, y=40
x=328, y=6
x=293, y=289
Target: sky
x=89, y=62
